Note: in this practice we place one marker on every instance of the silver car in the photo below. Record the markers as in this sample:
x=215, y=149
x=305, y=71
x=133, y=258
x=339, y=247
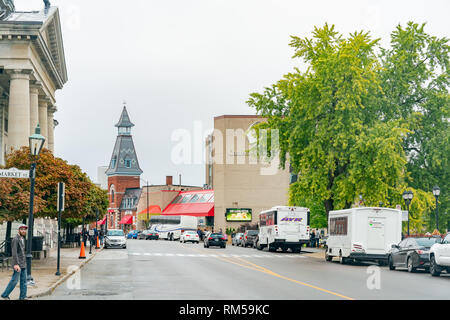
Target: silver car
x=237, y=239
x=115, y=238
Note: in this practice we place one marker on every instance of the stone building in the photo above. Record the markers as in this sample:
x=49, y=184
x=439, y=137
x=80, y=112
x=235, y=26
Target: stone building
x=124, y=177
x=242, y=186
x=32, y=69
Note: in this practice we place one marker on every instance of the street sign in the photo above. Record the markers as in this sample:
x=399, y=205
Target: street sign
x=61, y=196
x=14, y=173
x=405, y=216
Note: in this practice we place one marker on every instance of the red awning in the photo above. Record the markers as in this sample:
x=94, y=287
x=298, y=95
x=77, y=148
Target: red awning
x=102, y=222
x=190, y=209
x=126, y=220
x=152, y=210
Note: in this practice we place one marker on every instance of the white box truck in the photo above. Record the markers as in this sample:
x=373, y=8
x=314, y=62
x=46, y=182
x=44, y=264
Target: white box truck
x=283, y=227
x=363, y=234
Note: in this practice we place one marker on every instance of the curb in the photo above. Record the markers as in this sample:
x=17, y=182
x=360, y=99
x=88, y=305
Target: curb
x=50, y=290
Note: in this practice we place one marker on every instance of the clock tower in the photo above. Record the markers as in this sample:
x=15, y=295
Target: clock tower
x=123, y=172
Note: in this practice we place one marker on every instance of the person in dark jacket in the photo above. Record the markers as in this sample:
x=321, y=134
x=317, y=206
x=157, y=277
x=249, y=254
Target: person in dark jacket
x=19, y=265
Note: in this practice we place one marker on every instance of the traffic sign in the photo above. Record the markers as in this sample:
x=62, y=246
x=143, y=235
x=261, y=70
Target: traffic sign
x=14, y=173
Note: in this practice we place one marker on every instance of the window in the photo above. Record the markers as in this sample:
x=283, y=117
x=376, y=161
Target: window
x=186, y=198
x=338, y=226
x=178, y=199
x=127, y=163
x=204, y=198
x=267, y=219
x=447, y=239
x=194, y=198
x=113, y=163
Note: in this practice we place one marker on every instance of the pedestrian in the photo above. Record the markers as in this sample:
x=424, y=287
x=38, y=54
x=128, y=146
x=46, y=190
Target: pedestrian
x=312, y=239
x=101, y=236
x=200, y=236
x=317, y=238
x=19, y=265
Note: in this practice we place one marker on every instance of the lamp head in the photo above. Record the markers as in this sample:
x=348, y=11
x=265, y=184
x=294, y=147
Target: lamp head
x=36, y=142
x=436, y=191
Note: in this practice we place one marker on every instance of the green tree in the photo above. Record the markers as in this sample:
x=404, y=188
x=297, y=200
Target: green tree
x=331, y=125
x=415, y=81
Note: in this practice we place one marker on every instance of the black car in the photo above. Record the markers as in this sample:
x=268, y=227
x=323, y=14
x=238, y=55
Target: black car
x=215, y=239
x=249, y=238
x=148, y=235
x=412, y=253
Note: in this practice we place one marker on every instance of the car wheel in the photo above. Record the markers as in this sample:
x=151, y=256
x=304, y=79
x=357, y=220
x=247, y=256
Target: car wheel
x=410, y=265
x=391, y=263
x=328, y=257
x=434, y=269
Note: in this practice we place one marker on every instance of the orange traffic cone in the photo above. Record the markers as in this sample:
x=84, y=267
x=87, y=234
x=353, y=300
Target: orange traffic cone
x=82, y=251
x=98, y=244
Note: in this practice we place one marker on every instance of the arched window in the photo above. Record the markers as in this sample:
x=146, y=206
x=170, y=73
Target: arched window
x=112, y=192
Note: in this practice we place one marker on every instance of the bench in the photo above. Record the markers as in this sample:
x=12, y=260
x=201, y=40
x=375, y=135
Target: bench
x=6, y=262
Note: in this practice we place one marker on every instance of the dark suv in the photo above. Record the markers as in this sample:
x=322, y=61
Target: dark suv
x=249, y=238
x=215, y=239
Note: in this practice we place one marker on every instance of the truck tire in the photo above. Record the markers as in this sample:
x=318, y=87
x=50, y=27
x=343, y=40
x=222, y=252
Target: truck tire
x=328, y=257
x=342, y=260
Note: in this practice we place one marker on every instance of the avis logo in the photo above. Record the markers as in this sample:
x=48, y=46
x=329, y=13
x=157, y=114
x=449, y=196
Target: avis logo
x=292, y=219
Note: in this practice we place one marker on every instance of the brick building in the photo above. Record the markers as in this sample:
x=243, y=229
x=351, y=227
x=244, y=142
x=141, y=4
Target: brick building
x=124, y=187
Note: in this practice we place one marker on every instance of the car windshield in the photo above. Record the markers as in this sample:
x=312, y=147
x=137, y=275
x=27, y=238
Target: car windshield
x=252, y=233
x=427, y=242
x=115, y=233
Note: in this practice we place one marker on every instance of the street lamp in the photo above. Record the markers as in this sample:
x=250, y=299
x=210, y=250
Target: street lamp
x=36, y=143
x=436, y=193
x=408, y=196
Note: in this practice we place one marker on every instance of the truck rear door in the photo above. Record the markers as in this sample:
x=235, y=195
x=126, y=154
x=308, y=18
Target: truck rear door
x=376, y=235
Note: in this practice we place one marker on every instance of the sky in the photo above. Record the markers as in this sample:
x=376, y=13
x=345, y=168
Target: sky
x=178, y=63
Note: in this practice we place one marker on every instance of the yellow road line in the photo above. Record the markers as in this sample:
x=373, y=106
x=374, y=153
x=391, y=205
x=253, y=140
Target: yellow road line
x=256, y=267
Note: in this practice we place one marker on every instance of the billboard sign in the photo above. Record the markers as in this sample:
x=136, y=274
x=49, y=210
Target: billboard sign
x=238, y=215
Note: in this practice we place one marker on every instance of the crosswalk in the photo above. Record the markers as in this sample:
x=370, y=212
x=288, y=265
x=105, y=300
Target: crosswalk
x=194, y=255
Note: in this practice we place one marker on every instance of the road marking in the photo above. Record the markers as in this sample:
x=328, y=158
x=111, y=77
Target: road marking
x=256, y=267
x=158, y=254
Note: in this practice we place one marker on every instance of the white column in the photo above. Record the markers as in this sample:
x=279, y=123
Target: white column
x=34, y=105
x=19, y=109
x=43, y=119
x=51, y=128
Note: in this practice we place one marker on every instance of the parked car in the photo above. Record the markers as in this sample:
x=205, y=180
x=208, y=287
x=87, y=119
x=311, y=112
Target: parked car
x=133, y=234
x=440, y=257
x=236, y=240
x=189, y=236
x=249, y=237
x=115, y=238
x=412, y=253
x=149, y=235
x=215, y=239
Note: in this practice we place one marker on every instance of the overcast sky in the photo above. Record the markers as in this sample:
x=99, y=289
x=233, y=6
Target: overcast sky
x=179, y=61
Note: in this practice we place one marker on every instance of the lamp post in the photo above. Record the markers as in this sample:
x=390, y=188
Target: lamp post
x=148, y=214
x=36, y=143
x=436, y=193
x=408, y=196
x=96, y=228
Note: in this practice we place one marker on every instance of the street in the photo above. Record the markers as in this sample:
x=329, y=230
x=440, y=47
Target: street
x=163, y=270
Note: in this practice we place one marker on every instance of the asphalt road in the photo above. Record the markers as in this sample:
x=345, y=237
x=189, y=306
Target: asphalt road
x=173, y=271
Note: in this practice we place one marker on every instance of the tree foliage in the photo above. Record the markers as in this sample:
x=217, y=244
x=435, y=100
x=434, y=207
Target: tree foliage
x=82, y=197
x=350, y=123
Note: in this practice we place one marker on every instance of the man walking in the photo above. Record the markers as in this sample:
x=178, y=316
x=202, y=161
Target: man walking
x=19, y=265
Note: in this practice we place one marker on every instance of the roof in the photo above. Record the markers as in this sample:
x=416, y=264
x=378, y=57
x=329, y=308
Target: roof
x=33, y=17
x=124, y=152
x=195, y=204
x=130, y=193
x=152, y=209
x=124, y=120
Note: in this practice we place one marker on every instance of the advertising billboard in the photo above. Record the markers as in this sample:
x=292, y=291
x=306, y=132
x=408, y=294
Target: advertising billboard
x=239, y=215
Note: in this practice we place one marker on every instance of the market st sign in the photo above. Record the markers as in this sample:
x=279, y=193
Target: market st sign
x=14, y=173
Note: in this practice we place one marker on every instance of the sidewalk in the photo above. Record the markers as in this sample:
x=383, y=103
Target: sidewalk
x=315, y=252
x=43, y=272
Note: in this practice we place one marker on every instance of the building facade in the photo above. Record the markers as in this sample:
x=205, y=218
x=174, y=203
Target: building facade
x=32, y=69
x=243, y=186
x=124, y=176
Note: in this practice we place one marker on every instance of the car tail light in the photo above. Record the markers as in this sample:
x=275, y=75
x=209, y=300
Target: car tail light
x=223, y=238
x=246, y=237
x=209, y=238
x=420, y=252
